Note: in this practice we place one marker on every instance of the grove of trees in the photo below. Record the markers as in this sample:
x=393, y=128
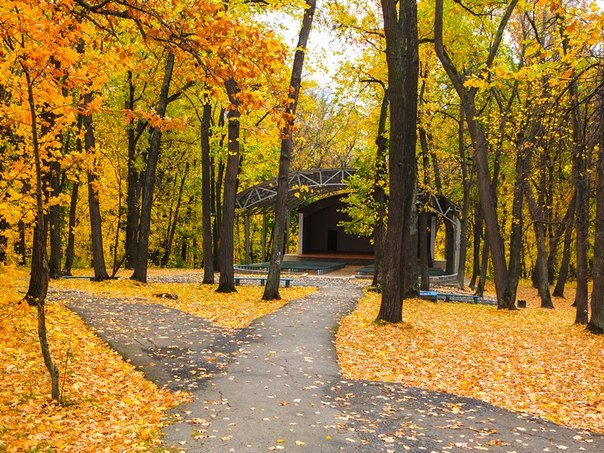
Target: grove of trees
x=127, y=127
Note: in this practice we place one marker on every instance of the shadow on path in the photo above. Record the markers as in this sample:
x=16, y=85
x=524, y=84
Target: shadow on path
x=276, y=386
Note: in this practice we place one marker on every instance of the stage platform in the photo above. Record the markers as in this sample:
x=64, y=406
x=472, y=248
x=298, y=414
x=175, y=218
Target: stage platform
x=296, y=266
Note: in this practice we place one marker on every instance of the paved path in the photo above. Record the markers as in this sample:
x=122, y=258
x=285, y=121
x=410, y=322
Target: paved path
x=275, y=386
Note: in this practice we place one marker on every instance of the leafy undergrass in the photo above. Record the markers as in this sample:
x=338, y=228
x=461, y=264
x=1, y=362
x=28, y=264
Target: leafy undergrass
x=108, y=405
x=229, y=310
x=532, y=360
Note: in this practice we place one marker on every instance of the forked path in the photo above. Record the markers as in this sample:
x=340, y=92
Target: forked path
x=284, y=392
x=276, y=387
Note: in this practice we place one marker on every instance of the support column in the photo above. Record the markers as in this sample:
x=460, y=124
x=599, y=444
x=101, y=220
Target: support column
x=300, y=233
x=287, y=225
x=246, y=229
x=263, y=235
x=456, y=251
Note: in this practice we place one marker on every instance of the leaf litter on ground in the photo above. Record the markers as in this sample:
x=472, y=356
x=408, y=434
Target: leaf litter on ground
x=108, y=405
x=533, y=360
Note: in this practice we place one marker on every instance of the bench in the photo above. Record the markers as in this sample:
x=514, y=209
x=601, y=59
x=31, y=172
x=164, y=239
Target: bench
x=435, y=295
x=77, y=276
x=261, y=280
x=459, y=297
x=431, y=295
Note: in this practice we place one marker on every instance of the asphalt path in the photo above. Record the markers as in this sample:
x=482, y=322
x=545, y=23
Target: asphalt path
x=276, y=385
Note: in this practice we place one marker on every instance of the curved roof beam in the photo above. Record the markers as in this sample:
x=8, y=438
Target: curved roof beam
x=315, y=184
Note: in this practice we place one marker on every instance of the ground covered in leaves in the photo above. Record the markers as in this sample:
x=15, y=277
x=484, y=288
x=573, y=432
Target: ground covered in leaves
x=229, y=310
x=108, y=405
x=531, y=360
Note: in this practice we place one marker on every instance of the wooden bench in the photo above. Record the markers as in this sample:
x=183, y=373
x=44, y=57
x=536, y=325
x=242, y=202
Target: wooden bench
x=77, y=276
x=261, y=280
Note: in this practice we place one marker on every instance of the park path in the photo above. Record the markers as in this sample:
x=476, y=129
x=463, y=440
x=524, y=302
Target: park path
x=276, y=386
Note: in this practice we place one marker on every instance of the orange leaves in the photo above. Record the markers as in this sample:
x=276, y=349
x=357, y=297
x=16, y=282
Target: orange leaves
x=531, y=360
x=230, y=310
x=108, y=405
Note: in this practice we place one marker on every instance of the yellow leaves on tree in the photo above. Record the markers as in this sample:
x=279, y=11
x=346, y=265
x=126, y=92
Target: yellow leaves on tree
x=533, y=360
x=107, y=404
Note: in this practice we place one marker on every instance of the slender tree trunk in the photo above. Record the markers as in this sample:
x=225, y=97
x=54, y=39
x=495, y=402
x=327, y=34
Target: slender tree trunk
x=566, y=251
x=271, y=290
x=540, y=233
x=142, y=252
x=174, y=223
x=38, y=283
x=226, y=282
x=69, y=252
x=54, y=221
x=596, y=320
x=206, y=196
x=476, y=246
x=465, y=208
x=218, y=191
x=482, y=275
x=133, y=186
x=379, y=195
x=98, y=256
x=424, y=215
x=582, y=226
x=400, y=29
x=517, y=221
x=468, y=99
x=559, y=235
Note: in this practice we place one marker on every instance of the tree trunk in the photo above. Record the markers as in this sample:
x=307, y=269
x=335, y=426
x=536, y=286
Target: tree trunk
x=69, y=252
x=226, y=282
x=424, y=215
x=54, y=221
x=517, y=220
x=465, y=208
x=174, y=223
x=582, y=226
x=217, y=214
x=379, y=195
x=133, y=186
x=482, y=274
x=206, y=196
x=96, y=232
x=468, y=99
x=142, y=252
x=540, y=233
x=596, y=321
x=566, y=251
x=400, y=29
x=271, y=290
x=476, y=246
x=38, y=282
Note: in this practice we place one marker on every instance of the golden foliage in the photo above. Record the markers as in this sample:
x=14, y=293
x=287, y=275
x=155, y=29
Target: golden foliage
x=107, y=406
x=532, y=360
x=229, y=310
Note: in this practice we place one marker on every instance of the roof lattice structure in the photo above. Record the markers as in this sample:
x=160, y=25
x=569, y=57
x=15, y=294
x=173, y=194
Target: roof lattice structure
x=315, y=184
x=303, y=186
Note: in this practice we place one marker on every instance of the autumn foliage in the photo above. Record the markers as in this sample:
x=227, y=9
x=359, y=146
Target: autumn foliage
x=107, y=404
x=532, y=360
x=229, y=310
